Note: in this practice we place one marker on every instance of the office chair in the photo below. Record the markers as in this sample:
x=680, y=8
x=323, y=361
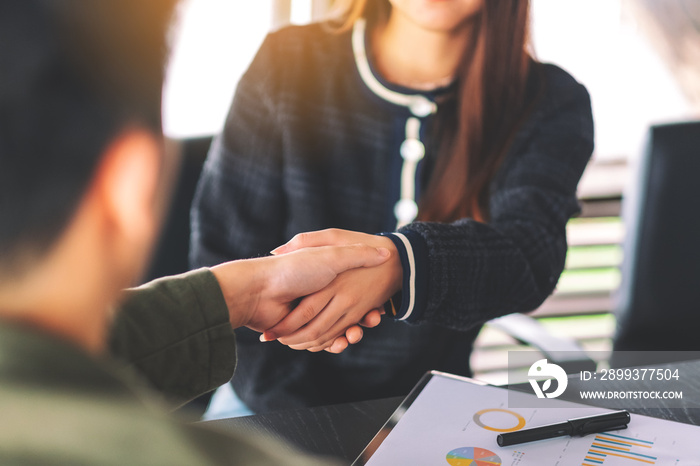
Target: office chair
x=171, y=253
x=563, y=351
x=658, y=303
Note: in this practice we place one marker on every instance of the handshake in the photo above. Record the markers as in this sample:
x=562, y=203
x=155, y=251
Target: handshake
x=316, y=291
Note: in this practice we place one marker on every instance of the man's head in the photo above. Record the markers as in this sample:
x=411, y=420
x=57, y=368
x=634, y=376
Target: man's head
x=74, y=74
x=80, y=133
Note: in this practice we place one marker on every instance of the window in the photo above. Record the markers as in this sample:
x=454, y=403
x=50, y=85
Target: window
x=213, y=43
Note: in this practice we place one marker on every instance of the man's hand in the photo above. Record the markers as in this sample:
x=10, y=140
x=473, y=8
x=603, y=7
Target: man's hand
x=261, y=292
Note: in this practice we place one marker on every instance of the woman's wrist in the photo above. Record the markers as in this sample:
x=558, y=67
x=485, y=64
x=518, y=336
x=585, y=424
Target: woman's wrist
x=393, y=265
x=412, y=252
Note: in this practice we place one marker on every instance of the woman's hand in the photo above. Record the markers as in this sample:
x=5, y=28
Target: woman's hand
x=353, y=334
x=322, y=317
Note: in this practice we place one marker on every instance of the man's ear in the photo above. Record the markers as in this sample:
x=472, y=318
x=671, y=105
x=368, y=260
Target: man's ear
x=126, y=184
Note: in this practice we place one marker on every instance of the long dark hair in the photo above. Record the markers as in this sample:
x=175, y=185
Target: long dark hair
x=495, y=83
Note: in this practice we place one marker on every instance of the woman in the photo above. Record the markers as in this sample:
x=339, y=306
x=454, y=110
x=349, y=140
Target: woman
x=427, y=119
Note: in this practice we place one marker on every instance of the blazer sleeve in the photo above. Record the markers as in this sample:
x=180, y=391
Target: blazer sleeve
x=478, y=271
x=175, y=332
x=241, y=181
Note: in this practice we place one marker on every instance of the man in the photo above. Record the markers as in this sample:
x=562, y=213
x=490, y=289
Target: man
x=80, y=158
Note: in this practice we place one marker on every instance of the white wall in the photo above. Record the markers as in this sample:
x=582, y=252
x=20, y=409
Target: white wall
x=600, y=45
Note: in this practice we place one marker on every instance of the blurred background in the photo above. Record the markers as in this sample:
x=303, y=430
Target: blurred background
x=638, y=58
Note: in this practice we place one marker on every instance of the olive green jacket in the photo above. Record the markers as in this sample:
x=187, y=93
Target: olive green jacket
x=61, y=406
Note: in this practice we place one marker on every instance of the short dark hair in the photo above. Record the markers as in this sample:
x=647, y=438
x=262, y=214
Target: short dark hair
x=73, y=74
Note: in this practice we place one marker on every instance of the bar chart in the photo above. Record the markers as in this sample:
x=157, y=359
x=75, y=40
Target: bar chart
x=623, y=450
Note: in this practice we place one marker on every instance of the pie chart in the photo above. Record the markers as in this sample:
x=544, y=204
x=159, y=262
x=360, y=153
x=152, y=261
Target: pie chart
x=473, y=456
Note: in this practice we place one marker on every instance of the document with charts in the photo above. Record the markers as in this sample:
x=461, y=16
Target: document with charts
x=454, y=422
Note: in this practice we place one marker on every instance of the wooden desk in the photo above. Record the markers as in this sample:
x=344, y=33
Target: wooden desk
x=344, y=430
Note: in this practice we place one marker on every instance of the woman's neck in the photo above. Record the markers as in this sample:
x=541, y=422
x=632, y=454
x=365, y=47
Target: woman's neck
x=410, y=56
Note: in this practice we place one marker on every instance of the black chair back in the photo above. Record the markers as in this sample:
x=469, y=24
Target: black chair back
x=658, y=304
x=171, y=253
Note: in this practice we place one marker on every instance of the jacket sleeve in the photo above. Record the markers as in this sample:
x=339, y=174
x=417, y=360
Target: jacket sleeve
x=175, y=332
x=478, y=271
x=241, y=182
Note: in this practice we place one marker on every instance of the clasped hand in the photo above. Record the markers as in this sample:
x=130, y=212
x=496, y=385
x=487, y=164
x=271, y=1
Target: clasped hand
x=316, y=290
x=355, y=296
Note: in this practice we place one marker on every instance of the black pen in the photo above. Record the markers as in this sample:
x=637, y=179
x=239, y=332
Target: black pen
x=579, y=426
